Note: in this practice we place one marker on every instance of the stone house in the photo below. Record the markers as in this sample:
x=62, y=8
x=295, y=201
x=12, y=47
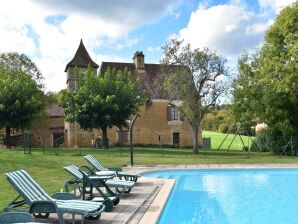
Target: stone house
x=160, y=123
x=49, y=130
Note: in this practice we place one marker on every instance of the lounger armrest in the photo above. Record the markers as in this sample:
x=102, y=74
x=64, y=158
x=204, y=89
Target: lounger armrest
x=103, y=178
x=89, y=170
x=43, y=207
x=64, y=196
x=117, y=169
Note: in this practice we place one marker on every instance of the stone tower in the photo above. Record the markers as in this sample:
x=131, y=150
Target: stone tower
x=81, y=60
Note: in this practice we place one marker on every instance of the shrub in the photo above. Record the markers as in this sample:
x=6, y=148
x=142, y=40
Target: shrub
x=283, y=144
x=261, y=143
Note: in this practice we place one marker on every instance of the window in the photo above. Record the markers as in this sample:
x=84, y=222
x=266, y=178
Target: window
x=174, y=113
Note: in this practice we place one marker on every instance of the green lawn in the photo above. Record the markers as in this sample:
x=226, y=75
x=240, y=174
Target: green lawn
x=217, y=138
x=47, y=169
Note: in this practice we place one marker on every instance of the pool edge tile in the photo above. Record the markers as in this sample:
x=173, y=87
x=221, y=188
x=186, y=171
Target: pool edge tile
x=155, y=209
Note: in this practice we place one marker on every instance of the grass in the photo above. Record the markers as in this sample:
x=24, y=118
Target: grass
x=217, y=138
x=47, y=169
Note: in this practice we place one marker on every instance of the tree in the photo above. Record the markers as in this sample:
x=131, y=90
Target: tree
x=194, y=78
x=16, y=61
x=247, y=107
x=266, y=87
x=102, y=101
x=21, y=100
x=279, y=71
x=218, y=119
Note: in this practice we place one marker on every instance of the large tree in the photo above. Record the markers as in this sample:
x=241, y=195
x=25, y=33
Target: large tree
x=102, y=101
x=266, y=87
x=16, y=61
x=194, y=77
x=21, y=99
x=247, y=106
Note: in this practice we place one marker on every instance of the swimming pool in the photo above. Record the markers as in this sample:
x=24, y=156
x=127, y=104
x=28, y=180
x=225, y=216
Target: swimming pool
x=231, y=196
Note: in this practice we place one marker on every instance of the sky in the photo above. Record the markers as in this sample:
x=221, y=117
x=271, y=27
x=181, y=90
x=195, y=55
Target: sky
x=49, y=31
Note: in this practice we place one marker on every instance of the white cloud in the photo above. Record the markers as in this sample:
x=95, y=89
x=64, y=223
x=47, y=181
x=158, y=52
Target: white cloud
x=13, y=32
x=113, y=58
x=276, y=5
x=26, y=27
x=154, y=49
x=228, y=29
x=128, y=42
x=124, y=12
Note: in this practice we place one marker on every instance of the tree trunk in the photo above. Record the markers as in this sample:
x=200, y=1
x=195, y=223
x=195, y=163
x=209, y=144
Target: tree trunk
x=105, y=140
x=7, y=129
x=195, y=149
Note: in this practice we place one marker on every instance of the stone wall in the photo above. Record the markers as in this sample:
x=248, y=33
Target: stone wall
x=153, y=127
x=43, y=136
x=77, y=137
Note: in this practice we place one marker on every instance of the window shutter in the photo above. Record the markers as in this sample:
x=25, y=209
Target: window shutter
x=169, y=112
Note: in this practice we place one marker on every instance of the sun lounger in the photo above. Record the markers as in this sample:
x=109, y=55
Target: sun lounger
x=41, y=203
x=101, y=170
x=85, y=183
x=121, y=186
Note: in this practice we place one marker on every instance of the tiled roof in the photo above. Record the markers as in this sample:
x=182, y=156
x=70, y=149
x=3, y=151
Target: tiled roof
x=147, y=79
x=138, y=53
x=54, y=110
x=81, y=58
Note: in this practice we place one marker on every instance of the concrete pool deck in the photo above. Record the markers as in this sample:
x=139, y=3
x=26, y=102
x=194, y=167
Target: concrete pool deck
x=147, y=199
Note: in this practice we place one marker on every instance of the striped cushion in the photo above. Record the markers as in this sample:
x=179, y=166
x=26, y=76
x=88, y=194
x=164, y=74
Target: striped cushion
x=74, y=170
x=124, y=173
x=32, y=191
x=78, y=205
x=94, y=162
x=78, y=173
x=99, y=167
x=27, y=187
x=106, y=173
x=120, y=183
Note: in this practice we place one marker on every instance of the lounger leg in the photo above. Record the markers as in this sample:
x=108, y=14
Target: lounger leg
x=73, y=218
x=120, y=192
x=60, y=217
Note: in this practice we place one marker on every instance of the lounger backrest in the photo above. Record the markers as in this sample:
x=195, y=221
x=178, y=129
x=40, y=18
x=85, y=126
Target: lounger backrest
x=75, y=171
x=26, y=186
x=94, y=162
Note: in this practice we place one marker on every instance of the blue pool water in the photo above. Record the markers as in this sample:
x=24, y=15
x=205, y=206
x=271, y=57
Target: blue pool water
x=231, y=197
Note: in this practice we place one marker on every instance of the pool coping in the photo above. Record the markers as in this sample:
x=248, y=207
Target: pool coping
x=156, y=207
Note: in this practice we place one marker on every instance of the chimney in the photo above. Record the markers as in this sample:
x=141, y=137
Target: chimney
x=138, y=60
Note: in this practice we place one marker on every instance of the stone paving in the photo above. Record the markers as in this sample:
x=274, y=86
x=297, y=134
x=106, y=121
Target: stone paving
x=147, y=199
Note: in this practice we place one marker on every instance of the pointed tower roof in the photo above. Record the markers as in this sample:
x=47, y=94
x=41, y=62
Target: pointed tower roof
x=81, y=58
